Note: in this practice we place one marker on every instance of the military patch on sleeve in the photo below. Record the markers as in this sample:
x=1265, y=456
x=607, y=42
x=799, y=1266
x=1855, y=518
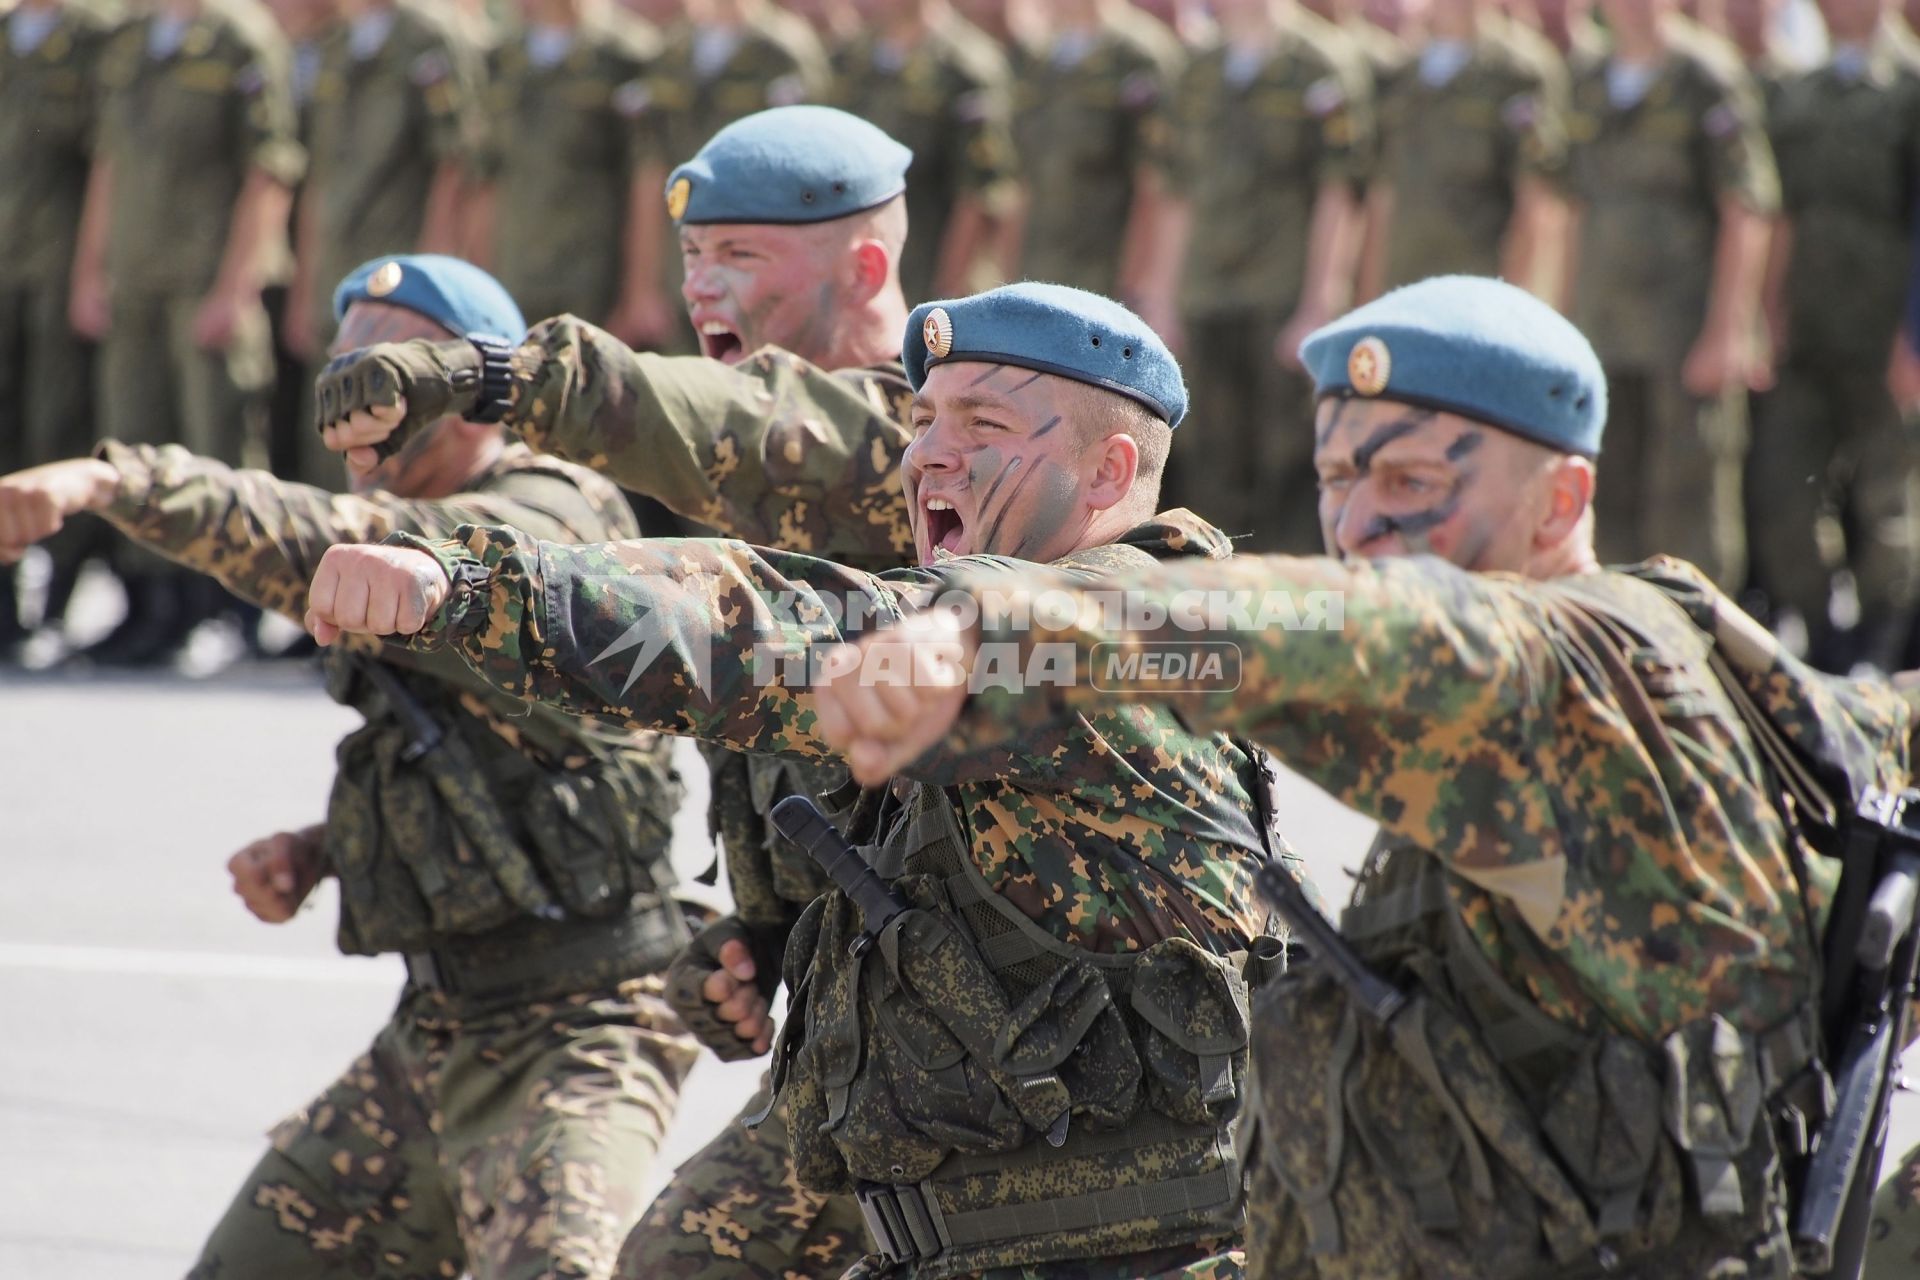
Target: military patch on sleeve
x=1139, y=91
x=1324, y=96
x=632, y=99
x=786, y=91
x=430, y=68
x=1722, y=121
x=1521, y=112
x=249, y=80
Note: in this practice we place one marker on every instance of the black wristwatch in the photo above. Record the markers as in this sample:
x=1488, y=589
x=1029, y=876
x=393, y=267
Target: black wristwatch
x=496, y=378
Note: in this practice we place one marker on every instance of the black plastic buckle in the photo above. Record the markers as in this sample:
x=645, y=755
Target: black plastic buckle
x=899, y=1220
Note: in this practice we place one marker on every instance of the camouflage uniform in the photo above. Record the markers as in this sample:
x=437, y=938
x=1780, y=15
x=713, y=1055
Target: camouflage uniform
x=1138, y=850
x=1454, y=152
x=777, y=452
x=1829, y=439
x=575, y=128
x=1083, y=127
x=1582, y=881
x=1255, y=145
x=948, y=100
x=382, y=124
x=1893, y=1240
x=47, y=116
x=504, y=1116
x=1649, y=179
x=182, y=133
x=775, y=61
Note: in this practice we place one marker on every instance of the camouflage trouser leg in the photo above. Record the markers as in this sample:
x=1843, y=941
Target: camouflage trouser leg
x=1672, y=477
x=1244, y=457
x=737, y=1211
x=506, y=1144
x=1893, y=1240
x=1832, y=441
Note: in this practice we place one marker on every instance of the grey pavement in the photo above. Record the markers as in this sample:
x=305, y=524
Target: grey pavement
x=150, y=1030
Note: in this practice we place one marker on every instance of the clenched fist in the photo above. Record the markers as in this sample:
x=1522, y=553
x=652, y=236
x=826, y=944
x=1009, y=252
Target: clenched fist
x=885, y=701
x=36, y=502
x=375, y=591
x=417, y=383
x=274, y=876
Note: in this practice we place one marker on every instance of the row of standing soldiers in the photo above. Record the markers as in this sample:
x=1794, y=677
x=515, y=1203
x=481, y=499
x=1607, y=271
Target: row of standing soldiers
x=1240, y=171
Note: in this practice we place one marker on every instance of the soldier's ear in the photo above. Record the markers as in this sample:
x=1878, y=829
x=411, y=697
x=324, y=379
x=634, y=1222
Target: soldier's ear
x=1569, y=495
x=872, y=268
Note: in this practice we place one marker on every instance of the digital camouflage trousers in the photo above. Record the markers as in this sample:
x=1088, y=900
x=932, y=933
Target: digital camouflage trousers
x=507, y=1144
x=1893, y=1242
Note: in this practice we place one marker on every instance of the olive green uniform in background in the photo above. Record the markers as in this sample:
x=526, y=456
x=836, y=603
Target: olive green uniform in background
x=505, y=1116
x=949, y=101
x=1829, y=443
x=694, y=92
x=1454, y=152
x=565, y=142
x=182, y=134
x=381, y=126
x=1649, y=178
x=1252, y=150
x=1083, y=127
x=47, y=119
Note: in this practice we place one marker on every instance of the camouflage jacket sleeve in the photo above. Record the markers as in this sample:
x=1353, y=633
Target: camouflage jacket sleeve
x=263, y=537
x=772, y=451
x=710, y=639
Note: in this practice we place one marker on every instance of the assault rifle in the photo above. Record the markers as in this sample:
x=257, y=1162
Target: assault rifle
x=1872, y=945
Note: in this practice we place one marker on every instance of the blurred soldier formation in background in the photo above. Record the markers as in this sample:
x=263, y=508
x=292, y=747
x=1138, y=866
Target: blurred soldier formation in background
x=1718, y=193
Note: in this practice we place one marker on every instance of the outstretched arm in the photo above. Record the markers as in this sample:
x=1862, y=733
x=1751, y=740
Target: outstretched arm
x=773, y=450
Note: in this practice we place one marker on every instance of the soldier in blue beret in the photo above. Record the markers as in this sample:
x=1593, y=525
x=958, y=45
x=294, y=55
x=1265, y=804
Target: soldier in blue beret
x=1107, y=860
x=787, y=431
x=501, y=1122
x=1587, y=886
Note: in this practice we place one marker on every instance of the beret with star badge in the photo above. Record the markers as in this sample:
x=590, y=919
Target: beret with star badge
x=452, y=293
x=1478, y=347
x=1050, y=328
x=789, y=166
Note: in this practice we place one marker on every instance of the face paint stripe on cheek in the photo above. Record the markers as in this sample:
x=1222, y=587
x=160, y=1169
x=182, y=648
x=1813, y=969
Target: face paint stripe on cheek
x=986, y=539
x=1049, y=425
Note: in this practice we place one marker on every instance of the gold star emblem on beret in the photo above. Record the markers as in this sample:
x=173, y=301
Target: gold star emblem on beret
x=677, y=197
x=1369, y=365
x=384, y=280
x=938, y=332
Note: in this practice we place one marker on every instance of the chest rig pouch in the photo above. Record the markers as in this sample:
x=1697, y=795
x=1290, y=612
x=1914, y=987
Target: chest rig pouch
x=995, y=1096
x=1474, y=1138
x=447, y=822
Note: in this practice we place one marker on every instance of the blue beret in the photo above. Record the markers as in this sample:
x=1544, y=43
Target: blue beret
x=1052, y=329
x=1473, y=346
x=452, y=293
x=789, y=165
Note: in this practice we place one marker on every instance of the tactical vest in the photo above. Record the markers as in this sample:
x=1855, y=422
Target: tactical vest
x=998, y=1097
x=501, y=820
x=1487, y=1140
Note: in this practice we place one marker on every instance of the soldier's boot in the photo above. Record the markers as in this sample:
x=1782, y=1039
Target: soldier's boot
x=154, y=628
